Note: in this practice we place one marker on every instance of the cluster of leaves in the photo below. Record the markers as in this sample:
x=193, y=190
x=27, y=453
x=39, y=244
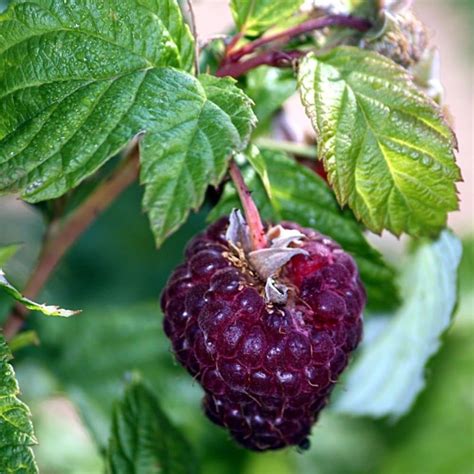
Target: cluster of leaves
x=80, y=81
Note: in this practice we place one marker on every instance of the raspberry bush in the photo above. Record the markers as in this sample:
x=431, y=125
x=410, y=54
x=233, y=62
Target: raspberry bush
x=267, y=309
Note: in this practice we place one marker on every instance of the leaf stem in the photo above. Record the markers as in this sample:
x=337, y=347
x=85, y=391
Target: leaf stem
x=299, y=149
x=61, y=236
x=252, y=216
x=270, y=58
x=360, y=24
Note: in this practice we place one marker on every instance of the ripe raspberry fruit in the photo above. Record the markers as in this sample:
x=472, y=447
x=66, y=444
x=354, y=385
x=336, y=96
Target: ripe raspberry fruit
x=267, y=349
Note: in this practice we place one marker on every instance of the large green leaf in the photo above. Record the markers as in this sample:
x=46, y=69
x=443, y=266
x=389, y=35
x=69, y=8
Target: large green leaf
x=16, y=429
x=198, y=125
x=143, y=440
x=300, y=195
x=387, y=149
x=79, y=80
x=389, y=374
x=255, y=16
x=76, y=84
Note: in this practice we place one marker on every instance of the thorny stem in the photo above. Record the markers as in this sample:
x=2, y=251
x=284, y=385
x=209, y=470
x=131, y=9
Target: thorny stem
x=360, y=24
x=252, y=216
x=61, y=236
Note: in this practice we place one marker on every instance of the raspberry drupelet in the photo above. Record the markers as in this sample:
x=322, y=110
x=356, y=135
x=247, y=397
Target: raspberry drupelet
x=267, y=368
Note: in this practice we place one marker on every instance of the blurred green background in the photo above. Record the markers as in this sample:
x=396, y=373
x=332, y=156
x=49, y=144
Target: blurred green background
x=114, y=274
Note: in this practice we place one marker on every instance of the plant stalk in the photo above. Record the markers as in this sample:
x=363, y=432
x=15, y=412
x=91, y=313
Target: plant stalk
x=252, y=216
x=360, y=24
x=61, y=236
x=270, y=58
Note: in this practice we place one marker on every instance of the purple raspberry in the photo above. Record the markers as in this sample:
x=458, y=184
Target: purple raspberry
x=267, y=368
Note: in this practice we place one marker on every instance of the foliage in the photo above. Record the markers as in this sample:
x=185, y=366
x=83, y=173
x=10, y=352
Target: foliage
x=143, y=440
x=393, y=364
x=388, y=152
x=16, y=428
x=82, y=83
x=48, y=310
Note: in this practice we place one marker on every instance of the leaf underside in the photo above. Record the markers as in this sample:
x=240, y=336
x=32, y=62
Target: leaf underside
x=389, y=374
x=299, y=195
x=387, y=150
x=16, y=428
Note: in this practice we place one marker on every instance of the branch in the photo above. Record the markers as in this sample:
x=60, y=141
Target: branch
x=360, y=24
x=270, y=58
x=60, y=238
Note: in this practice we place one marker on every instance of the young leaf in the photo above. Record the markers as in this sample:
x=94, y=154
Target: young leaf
x=299, y=195
x=43, y=308
x=386, y=148
x=16, y=429
x=143, y=440
x=77, y=82
x=389, y=374
x=255, y=16
x=197, y=126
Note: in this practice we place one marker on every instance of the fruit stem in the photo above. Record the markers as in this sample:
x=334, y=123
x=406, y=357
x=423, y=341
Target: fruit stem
x=252, y=216
x=61, y=236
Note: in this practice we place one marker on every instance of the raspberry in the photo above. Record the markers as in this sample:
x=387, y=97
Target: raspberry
x=267, y=369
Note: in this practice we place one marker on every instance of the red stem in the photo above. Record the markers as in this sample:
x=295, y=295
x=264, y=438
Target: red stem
x=252, y=216
x=270, y=58
x=356, y=23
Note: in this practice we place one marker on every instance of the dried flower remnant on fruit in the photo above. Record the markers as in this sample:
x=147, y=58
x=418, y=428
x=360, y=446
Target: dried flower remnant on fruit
x=266, y=350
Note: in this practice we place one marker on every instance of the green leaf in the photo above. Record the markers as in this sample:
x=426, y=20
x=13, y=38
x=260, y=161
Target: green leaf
x=257, y=161
x=78, y=81
x=385, y=145
x=198, y=125
x=255, y=16
x=300, y=195
x=389, y=374
x=45, y=309
x=16, y=429
x=269, y=88
x=7, y=252
x=98, y=80
x=143, y=440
